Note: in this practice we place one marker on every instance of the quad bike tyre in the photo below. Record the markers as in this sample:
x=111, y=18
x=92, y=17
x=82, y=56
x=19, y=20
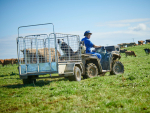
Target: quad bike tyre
x=91, y=71
x=117, y=68
x=77, y=75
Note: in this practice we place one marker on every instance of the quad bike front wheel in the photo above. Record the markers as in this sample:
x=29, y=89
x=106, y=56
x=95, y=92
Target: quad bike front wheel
x=117, y=68
x=91, y=71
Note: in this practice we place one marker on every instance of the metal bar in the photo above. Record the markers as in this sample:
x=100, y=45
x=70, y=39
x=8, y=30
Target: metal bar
x=37, y=56
x=39, y=73
x=68, y=47
x=35, y=35
x=49, y=52
x=35, y=25
x=18, y=49
x=25, y=51
x=44, y=56
x=49, y=77
x=56, y=55
x=79, y=47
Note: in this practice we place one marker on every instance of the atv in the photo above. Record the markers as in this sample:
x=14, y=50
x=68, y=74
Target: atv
x=109, y=62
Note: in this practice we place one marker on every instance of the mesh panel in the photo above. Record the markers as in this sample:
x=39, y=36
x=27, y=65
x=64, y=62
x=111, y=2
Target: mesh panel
x=41, y=48
x=68, y=47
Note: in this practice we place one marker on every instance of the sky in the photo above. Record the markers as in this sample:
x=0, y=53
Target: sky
x=111, y=21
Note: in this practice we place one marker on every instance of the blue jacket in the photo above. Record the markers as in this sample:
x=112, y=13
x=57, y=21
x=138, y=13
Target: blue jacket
x=88, y=44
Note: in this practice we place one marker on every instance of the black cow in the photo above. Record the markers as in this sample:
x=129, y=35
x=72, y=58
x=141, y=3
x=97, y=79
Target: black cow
x=122, y=50
x=147, y=50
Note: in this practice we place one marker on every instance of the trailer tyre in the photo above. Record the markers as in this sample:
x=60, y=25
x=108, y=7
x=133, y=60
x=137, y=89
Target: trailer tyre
x=29, y=80
x=77, y=74
x=91, y=71
x=118, y=68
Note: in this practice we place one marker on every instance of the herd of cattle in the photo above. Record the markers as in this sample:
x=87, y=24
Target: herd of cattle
x=15, y=61
x=141, y=42
x=132, y=53
x=8, y=61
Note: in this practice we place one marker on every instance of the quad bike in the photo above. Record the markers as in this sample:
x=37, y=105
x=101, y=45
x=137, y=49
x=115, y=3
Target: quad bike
x=109, y=62
x=62, y=55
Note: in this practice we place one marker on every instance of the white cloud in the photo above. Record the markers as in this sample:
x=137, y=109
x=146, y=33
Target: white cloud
x=117, y=37
x=131, y=20
x=123, y=23
x=139, y=27
x=118, y=25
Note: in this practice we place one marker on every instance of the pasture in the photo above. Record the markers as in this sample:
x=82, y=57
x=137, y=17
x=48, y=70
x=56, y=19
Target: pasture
x=129, y=92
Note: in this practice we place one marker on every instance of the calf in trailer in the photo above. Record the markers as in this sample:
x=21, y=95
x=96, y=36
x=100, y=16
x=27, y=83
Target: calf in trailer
x=42, y=55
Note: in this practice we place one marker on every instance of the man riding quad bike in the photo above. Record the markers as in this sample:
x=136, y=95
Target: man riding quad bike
x=107, y=59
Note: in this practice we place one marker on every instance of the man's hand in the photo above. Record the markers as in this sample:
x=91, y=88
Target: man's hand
x=97, y=46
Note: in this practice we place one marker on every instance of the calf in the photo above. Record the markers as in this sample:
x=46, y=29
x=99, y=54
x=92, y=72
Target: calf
x=43, y=55
x=147, y=51
x=130, y=53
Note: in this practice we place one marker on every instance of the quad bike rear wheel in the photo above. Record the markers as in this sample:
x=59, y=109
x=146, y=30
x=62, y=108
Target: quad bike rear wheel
x=117, y=68
x=91, y=71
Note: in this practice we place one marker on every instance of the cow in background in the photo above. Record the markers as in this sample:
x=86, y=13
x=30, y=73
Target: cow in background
x=9, y=61
x=147, y=51
x=15, y=60
x=1, y=61
x=141, y=42
x=130, y=53
x=123, y=50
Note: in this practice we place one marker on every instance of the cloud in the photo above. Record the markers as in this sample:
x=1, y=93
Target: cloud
x=117, y=37
x=131, y=20
x=139, y=27
x=123, y=23
x=118, y=25
x=113, y=25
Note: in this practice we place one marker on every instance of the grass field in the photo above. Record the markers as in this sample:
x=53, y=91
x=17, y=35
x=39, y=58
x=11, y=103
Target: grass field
x=126, y=93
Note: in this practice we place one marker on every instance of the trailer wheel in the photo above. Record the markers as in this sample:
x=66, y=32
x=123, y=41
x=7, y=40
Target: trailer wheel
x=77, y=74
x=91, y=70
x=118, y=68
x=29, y=80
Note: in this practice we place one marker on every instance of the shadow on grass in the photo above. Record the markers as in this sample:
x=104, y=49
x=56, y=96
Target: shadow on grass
x=39, y=83
x=13, y=78
x=9, y=74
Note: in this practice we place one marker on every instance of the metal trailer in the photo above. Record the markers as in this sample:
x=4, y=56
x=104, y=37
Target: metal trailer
x=43, y=54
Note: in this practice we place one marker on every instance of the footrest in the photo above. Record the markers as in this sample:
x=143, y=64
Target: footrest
x=105, y=70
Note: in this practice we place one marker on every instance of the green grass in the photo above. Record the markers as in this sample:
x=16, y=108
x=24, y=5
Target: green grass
x=129, y=92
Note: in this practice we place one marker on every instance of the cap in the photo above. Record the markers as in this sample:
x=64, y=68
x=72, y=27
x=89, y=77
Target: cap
x=87, y=32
